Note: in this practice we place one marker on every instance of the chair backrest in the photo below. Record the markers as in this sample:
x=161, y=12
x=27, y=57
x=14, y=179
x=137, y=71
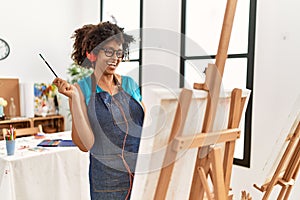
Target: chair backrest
x=29, y=131
x=25, y=131
x=4, y=131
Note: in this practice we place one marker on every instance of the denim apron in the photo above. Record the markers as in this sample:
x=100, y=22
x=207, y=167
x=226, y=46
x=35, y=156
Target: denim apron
x=111, y=117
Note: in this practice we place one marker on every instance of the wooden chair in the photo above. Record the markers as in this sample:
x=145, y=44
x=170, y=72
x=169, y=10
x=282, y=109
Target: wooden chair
x=25, y=131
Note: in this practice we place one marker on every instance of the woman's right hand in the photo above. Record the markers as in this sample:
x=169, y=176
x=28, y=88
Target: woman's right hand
x=64, y=87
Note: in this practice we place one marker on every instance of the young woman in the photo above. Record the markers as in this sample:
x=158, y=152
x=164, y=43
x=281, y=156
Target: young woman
x=106, y=108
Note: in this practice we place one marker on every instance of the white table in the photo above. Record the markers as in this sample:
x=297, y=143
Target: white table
x=59, y=173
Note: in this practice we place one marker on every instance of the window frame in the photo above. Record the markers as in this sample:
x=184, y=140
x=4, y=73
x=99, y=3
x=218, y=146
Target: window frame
x=250, y=73
x=139, y=60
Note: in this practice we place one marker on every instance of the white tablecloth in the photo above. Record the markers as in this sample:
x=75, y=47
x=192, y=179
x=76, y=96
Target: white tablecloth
x=47, y=173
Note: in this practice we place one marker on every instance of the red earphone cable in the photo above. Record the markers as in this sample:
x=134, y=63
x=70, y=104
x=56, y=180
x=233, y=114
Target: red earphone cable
x=123, y=149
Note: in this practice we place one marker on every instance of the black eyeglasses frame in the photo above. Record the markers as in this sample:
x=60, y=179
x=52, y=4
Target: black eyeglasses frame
x=110, y=54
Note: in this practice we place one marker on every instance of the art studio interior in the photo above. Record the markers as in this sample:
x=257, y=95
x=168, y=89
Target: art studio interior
x=218, y=86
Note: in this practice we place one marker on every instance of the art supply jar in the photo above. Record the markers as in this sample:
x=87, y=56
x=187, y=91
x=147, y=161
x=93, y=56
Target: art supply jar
x=10, y=147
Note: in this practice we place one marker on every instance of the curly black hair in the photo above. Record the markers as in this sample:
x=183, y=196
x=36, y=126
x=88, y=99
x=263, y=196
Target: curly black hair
x=90, y=38
x=78, y=54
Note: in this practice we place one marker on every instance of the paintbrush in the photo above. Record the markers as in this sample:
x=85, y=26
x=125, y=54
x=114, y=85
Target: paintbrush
x=48, y=66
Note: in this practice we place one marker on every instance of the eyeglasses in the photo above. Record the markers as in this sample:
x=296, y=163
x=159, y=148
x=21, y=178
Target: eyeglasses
x=110, y=52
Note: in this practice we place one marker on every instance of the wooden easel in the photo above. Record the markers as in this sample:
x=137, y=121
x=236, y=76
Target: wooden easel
x=219, y=167
x=212, y=163
x=287, y=169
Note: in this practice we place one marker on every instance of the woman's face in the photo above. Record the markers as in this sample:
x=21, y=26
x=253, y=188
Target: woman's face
x=108, y=58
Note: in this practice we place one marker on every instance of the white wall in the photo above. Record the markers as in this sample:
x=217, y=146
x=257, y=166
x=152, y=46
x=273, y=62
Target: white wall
x=276, y=86
x=162, y=33
x=41, y=26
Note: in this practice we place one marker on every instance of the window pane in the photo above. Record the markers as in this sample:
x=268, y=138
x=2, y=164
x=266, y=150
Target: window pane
x=129, y=69
x=128, y=18
x=135, y=45
x=239, y=145
x=194, y=72
x=235, y=76
x=235, y=73
x=204, y=23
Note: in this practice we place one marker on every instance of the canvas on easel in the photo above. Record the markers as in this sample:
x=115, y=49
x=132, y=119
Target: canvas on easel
x=156, y=142
x=162, y=105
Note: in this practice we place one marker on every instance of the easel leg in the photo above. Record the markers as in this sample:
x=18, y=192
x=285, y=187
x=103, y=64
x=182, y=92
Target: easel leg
x=185, y=99
x=288, y=192
x=203, y=180
x=217, y=170
x=228, y=160
x=282, y=192
x=236, y=107
x=197, y=191
x=290, y=187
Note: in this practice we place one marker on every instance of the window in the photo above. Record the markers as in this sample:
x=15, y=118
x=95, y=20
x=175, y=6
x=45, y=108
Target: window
x=130, y=18
x=201, y=25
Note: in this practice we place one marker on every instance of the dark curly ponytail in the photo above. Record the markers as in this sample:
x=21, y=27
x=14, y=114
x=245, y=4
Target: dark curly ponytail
x=78, y=54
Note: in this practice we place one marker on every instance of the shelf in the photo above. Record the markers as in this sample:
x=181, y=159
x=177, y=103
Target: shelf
x=50, y=124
